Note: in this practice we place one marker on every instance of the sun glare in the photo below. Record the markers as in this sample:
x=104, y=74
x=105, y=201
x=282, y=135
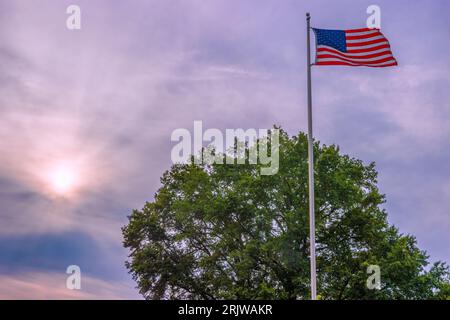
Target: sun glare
x=63, y=180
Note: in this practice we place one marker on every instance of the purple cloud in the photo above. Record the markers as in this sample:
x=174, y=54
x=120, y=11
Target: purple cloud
x=104, y=101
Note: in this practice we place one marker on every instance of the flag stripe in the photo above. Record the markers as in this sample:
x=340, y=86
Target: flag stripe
x=343, y=63
x=359, y=30
x=353, y=34
x=370, y=48
x=365, y=39
x=384, y=58
x=363, y=55
x=365, y=43
x=364, y=36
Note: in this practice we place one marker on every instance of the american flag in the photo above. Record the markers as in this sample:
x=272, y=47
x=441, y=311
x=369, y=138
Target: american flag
x=355, y=47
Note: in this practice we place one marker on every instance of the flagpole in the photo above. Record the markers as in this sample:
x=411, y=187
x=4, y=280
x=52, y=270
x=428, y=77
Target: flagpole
x=312, y=233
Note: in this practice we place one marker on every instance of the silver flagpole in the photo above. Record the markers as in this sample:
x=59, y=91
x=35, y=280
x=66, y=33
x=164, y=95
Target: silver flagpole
x=312, y=233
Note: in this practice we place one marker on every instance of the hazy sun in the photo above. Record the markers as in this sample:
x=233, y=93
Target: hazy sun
x=63, y=180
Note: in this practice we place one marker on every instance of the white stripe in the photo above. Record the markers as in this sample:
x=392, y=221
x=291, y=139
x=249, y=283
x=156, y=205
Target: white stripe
x=363, y=33
x=353, y=54
x=365, y=40
x=368, y=46
x=359, y=63
x=361, y=60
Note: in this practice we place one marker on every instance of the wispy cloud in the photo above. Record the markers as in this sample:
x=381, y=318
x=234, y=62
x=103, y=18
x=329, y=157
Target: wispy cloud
x=105, y=100
x=52, y=286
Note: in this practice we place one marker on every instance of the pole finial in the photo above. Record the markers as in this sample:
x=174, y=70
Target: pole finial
x=308, y=16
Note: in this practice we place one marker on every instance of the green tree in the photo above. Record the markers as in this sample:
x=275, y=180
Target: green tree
x=227, y=232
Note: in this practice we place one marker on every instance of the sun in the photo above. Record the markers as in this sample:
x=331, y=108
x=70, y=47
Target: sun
x=63, y=180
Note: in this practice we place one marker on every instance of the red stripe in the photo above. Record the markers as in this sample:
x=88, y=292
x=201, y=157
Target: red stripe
x=364, y=36
x=330, y=56
x=341, y=63
x=369, y=49
x=367, y=56
x=360, y=30
x=366, y=43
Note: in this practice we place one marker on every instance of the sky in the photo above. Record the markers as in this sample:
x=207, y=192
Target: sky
x=87, y=116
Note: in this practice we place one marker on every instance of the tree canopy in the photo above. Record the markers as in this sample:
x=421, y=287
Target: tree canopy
x=218, y=231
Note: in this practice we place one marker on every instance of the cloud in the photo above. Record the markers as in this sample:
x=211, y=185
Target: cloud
x=406, y=108
x=104, y=100
x=106, y=104
x=52, y=286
